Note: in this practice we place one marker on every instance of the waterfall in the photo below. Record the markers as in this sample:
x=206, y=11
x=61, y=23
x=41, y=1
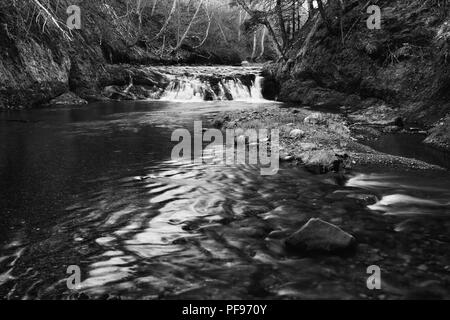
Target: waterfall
x=256, y=89
x=197, y=88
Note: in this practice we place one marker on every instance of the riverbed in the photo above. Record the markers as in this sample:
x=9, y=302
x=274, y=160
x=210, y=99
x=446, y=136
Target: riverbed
x=95, y=187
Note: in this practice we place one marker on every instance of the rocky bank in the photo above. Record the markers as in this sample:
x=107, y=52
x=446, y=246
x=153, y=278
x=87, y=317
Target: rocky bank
x=322, y=142
x=405, y=65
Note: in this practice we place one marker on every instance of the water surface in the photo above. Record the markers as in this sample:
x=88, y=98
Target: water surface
x=95, y=187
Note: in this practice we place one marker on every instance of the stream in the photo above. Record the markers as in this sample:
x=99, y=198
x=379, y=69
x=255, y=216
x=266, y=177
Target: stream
x=95, y=187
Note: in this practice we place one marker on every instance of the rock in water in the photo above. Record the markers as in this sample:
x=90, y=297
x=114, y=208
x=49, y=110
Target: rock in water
x=318, y=235
x=68, y=98
x=324, y=161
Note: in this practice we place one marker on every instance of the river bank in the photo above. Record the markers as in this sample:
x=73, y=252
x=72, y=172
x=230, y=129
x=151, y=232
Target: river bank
x=141, y=226
x=322, y=142
x=403, y=66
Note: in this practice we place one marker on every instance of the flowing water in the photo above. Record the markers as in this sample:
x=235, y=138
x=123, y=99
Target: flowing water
x=213, y=84
x=95, y=187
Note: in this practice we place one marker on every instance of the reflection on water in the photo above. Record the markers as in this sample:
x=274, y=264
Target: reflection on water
x=410, y=146
x=95, y=187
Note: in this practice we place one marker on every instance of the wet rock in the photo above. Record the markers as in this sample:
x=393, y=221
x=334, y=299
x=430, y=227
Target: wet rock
x=123, y=75
x=117, y=93
x=146, y=92
x=278, y=234
x=392, y=129
x=367, y=199
x=422, y=267
x=324, y=161
x=68, y=98
x=320, y=236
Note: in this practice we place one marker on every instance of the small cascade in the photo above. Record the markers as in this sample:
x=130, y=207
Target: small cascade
x=213, y=88
x=256, y=89
x=186, y=90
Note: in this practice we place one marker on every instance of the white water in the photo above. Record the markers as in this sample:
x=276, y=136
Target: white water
x=191, y=88
x=185, y=90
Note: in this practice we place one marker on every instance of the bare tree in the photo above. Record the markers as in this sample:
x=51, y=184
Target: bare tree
x=263, y=42
x=263, y=18
x=255, y=44
x=155, y=2
x=166, y=24
x=324, y=14
x=186, y=32
x=209, y=16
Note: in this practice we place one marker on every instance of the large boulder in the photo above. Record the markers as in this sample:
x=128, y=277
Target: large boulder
x=324, y=161
x=320, y=236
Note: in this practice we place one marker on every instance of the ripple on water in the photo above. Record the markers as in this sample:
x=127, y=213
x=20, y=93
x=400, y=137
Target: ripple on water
x=141, y=228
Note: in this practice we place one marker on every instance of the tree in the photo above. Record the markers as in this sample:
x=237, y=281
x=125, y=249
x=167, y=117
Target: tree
x=166, y=24
x=180, y=42
x=281, y=18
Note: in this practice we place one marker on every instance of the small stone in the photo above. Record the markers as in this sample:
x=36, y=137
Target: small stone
x=314, y=118
x=422, y=267
x=296, y=133
x=368, y=199
x=318, y=235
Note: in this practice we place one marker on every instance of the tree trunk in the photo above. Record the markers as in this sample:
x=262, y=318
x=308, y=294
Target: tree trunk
x=171, y=13
x=310, y=8
x=239, y=26
x=255, y=44
x=266, y=22
x=189, y=26
x=221, y=30
x=279, y=12
x=178, y=21
x=263, y=41
x=294, y=7
x=323, y=14
x=207, y=29
x=307, y=42
x=155, y=2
